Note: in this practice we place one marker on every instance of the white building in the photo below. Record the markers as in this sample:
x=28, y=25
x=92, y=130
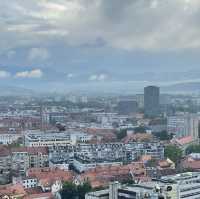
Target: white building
x=83, y=165
x=56, y=138
x=80, y=137
x=185, y=185
x=9, y=138
x=183, y=125
x=47, y=139
x=118, y=191
x=26, y=182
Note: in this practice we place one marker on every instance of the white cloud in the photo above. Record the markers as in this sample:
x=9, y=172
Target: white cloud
x=38, y=53
x=93, y=77
x=37, y=73
x=4, y=74
x=70, y=75
x=100, y=77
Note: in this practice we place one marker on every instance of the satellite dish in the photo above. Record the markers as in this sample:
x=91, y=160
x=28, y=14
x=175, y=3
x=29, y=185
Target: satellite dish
x=169, y=188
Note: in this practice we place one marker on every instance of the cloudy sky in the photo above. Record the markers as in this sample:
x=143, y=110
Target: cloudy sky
x=63, y=44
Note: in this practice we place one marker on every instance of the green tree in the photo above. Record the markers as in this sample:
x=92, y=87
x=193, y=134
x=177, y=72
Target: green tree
x=83, y=189
x=69, y=190
x=140, y=129
x=128, y=180
x=163, y=135
x=174, y=153
x=121, y=134
x=193, y=149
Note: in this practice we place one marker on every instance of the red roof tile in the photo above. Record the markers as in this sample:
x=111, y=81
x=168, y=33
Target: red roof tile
x=185, y=140
x=47, y=176
x=39, y=196
x=31, y=150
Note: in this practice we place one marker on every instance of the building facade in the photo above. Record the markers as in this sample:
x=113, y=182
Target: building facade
x=47, y=139
x=184, y=185
x=151, y=100
x=183, y=125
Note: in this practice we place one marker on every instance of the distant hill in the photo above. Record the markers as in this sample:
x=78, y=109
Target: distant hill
x=182, y=87
x=14, y=91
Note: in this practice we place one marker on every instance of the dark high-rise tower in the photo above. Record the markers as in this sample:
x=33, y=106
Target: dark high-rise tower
x=151, y=100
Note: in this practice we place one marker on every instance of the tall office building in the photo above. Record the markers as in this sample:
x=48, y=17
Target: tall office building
x=151, y=100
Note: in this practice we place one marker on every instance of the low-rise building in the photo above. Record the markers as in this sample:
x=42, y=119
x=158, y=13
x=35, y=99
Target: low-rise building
x=118, y=191
x=82, y=164
x=50, y=179
x=102, y=175
x=47, y=139
x=8, y=137
x=50, y=139
x=27, y=182
x=192, y=161
x=185, y=185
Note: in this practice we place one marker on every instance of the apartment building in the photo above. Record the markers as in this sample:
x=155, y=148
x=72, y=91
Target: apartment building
x=50, y=139
x=47, y=139
x=183, y=125
x=137, y=149
x=5, y=165
x=18, y=160
x=24, y=158
x=81, y=164
x=103, y=151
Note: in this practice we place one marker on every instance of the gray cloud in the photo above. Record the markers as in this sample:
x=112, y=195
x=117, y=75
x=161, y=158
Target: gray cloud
x=124, y=24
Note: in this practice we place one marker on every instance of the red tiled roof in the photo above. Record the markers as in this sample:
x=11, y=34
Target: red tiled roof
x=191, y=163
x=4, y=151
x=103, y=175
x=31, y=150
x=12, y=190
x=34, y=190
x=47, y=176
x=185, y=140
x=39, y=196
x=137, y=137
